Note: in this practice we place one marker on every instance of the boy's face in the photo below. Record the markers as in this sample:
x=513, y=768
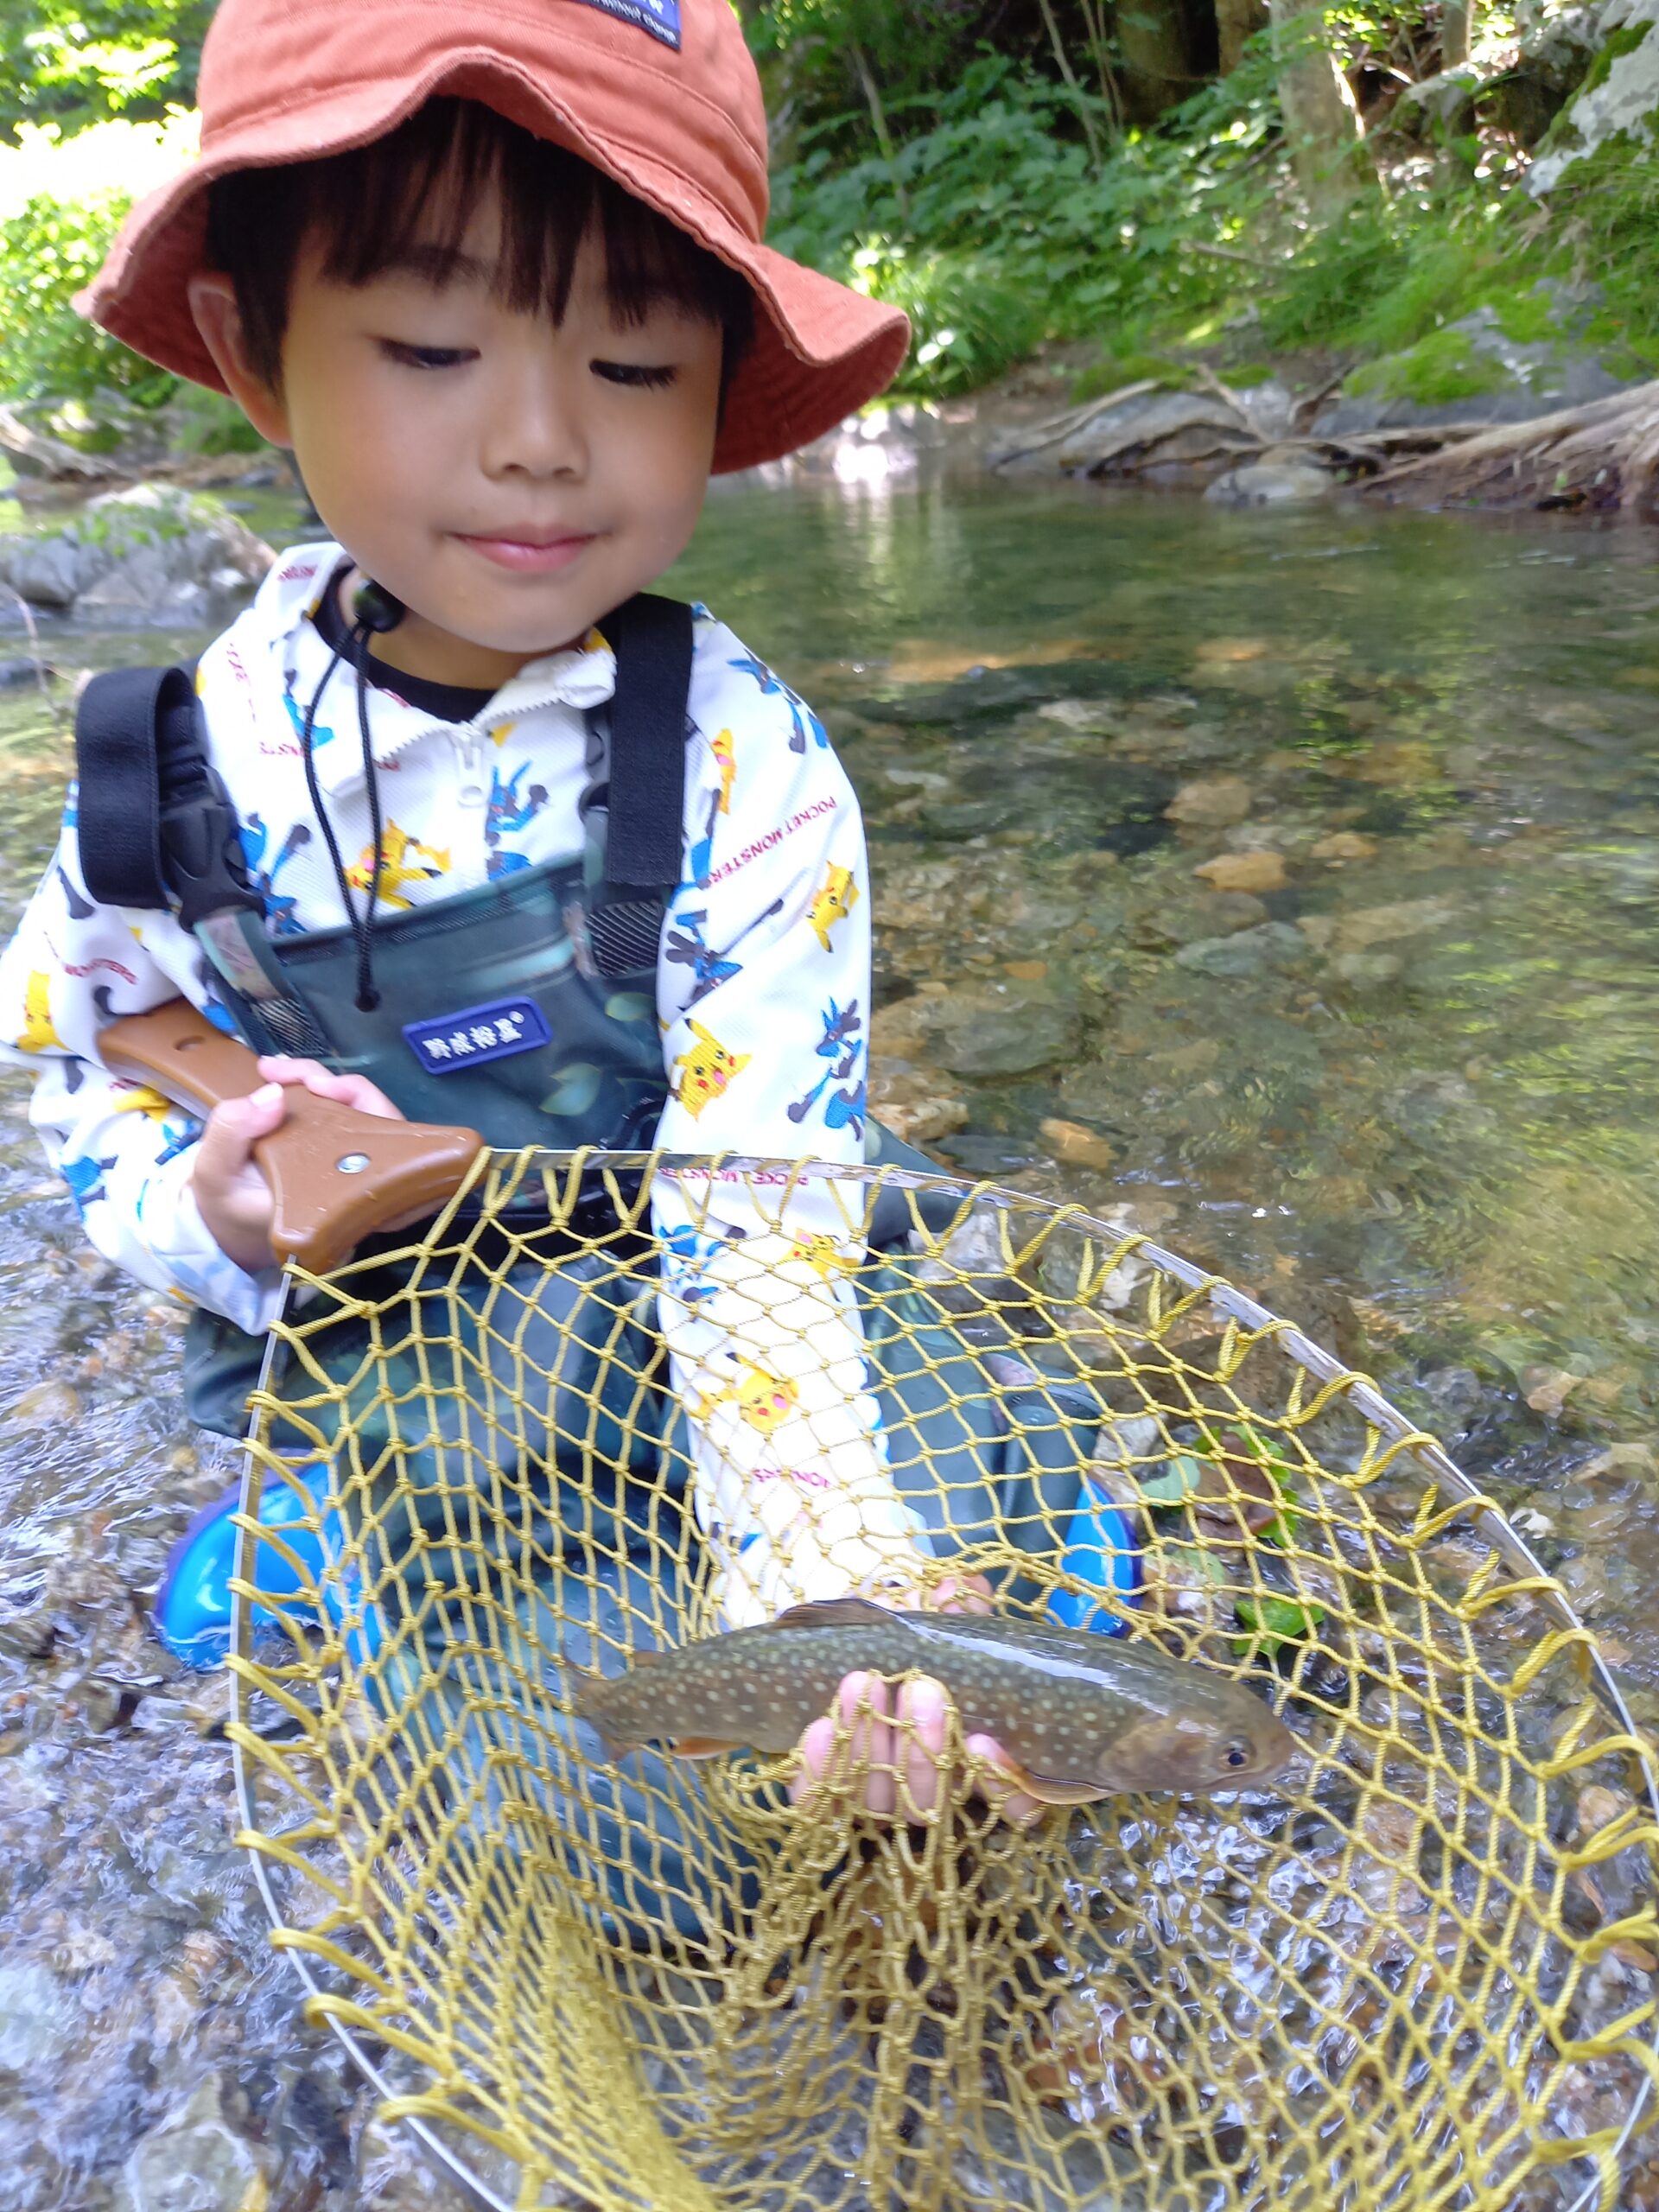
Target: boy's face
x=511, y=480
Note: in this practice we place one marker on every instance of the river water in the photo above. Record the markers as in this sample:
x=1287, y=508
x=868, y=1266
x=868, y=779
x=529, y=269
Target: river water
x=1289, y=885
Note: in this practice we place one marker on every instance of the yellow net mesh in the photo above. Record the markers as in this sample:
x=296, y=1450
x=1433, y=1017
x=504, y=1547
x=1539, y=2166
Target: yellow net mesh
x=1414, y=1972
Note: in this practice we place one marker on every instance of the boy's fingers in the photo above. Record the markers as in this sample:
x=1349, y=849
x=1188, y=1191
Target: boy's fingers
x=997, y=1784
x=922, y=1703
x=817, y=1748
x=864, y=1702
x=354, y=1091
x=832, y=1749
x=232, y=1130
x=895, y=1757
x=961, y=1593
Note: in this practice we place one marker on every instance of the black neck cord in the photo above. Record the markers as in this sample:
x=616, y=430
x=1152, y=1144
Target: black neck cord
x=355, y=647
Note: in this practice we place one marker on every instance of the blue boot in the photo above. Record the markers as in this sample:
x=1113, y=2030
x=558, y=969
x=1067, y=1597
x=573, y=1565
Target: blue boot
x=193, y=1610
x=1101, y=1549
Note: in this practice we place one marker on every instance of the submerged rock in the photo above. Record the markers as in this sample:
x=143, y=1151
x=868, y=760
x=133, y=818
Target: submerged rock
x=40, y=2021
x=1211, y=802
x=1186, y=921
x=917, y=1104
x=1271, y=484
x=154, y=553
x=1075, y=1145
x=1253, y=872
x=195, y=2161
x=1369, y=927
x=1251, y=953
x=1368, y=972
x=989, y=1034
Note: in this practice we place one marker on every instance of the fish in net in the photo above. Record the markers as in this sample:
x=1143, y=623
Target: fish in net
x=1414, y=1970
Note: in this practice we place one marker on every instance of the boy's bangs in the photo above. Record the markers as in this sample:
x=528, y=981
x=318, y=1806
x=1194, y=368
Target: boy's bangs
x=415, y=193
x=406, y=200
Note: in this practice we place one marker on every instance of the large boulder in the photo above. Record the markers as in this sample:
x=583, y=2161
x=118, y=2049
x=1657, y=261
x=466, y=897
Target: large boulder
x=154, y=553
x=1620, y=94
x=1531, y=357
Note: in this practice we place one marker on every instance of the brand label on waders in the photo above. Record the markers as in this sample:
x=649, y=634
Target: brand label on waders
x=477, y=1033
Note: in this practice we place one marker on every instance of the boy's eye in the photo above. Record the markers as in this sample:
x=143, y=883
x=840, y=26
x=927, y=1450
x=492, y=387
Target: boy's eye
x=635, y=373
x=425, y=356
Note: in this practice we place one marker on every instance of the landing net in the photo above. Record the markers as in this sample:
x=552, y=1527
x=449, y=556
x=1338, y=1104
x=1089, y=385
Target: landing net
x=1417, y=1972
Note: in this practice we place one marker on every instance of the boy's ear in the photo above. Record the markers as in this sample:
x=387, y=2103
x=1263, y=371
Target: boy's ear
x=213, y=302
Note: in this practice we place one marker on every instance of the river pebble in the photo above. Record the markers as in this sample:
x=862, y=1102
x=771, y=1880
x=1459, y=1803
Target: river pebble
x=1255, y=872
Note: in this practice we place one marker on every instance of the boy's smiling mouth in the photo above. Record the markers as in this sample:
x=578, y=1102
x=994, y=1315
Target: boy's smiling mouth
x=530, y=551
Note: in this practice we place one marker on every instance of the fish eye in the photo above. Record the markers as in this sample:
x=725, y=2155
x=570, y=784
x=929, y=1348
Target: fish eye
x=1237, y=1754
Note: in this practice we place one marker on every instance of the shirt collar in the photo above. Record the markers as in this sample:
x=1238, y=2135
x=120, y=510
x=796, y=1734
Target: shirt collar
x=580, y=677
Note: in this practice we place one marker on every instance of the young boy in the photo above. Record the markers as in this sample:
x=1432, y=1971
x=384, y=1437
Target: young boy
x=495, y=275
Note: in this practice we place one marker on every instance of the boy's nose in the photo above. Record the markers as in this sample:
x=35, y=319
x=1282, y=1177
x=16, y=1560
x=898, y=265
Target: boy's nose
x=533, y=426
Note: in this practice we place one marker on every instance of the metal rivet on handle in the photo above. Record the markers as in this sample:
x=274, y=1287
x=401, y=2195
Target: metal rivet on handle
x=354, y=1163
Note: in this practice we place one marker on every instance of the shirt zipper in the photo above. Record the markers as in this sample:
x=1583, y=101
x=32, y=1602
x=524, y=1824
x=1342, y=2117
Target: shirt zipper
x=470, y=762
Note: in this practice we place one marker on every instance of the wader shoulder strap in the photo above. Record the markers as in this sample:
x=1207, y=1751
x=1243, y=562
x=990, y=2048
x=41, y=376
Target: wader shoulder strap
x=155, y=826
x=154, y=820
x=118, y=762
x=652, y=638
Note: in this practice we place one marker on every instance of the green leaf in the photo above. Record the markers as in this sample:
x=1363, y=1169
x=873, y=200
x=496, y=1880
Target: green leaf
x=575, y=1091
x=1181, y=1477
x=1274, y=1621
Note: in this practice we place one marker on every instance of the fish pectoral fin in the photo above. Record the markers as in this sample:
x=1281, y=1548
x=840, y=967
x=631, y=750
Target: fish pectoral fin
x=832, y=1612
x=1049, y=1790
x=703, y=1747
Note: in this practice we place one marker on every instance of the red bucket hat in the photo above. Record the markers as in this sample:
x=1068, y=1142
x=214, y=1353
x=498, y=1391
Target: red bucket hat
x=662, y=95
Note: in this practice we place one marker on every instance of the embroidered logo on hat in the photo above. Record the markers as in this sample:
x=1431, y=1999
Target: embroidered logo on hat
x=660, y=17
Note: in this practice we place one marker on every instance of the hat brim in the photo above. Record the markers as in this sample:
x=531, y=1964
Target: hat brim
x=820, y=350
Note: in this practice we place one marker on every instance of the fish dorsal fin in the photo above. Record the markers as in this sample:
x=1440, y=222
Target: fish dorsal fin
x=833, y=1612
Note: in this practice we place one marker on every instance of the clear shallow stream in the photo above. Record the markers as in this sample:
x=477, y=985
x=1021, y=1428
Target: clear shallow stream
x=1405, y=1089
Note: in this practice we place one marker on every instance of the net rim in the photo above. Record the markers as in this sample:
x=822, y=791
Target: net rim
x=1230, y=1303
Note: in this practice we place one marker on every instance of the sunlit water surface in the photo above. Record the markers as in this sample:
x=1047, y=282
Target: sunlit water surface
x=1405, y=1090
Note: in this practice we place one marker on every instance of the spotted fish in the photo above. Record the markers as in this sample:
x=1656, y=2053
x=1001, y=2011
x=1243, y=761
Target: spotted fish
x=1079, y=1713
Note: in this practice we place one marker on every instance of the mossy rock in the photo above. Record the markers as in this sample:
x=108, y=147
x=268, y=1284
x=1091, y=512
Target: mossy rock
x=1445, y=366
x=153, y=552
x=1614, y=47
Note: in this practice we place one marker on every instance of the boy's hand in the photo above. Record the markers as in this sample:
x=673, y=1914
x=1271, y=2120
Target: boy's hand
x=231, y=1196
x=900, y=1756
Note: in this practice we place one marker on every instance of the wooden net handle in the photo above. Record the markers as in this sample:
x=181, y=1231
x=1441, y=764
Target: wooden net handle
x=335, y=1175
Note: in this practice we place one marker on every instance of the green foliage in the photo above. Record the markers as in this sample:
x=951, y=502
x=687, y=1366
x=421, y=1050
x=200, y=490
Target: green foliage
x=1526, y=317
x=207, y=422
x=810, y=51
x=81, y=62
x=1002, y=183
x=60, y=202
x=48, y=251
x=1122, y=364
x=970, y=321
x=1604, y=203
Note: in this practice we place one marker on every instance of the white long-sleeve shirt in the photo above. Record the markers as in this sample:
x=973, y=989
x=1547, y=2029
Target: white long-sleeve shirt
x=762, y=997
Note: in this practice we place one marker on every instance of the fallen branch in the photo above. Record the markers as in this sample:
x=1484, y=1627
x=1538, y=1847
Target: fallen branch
x=42, y=675
x=1059, y=427
x=47, y=456
x=1604, y=455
